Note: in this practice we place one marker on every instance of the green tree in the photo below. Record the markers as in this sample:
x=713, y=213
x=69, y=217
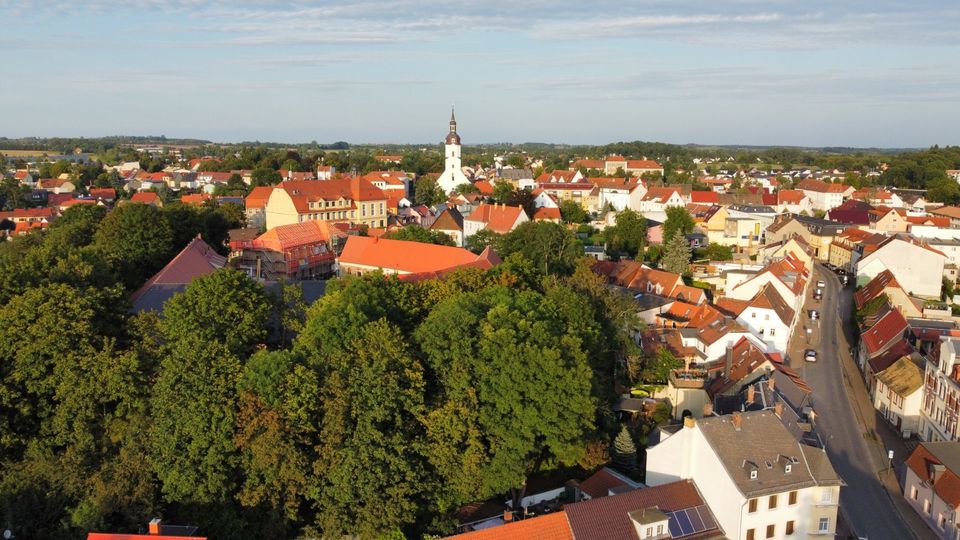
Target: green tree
x=676, y=255
x=416, y=233
x=657, y=367
x=714, y=252
x=572, y=212
x=551, y=247
x=483, y=238
x=427, y=191
x=678, y=220
x=503, y=192
x=264, y=177
x=628, y=234
x=136, y=240
x=624, y=452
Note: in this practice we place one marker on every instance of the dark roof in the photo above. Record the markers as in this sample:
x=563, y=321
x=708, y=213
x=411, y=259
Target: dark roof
x=765, y=445
x=449, y=220
x=602, y=481
x=608, y=518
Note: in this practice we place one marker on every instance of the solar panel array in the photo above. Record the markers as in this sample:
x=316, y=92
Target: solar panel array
x=690, y=521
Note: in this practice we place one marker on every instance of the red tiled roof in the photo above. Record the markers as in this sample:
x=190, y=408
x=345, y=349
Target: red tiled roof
x=196, y=260
x=790, y=196
x=600, y=483
x=608, y=517
x=107, y=194
x=659, y=194
x=403, y=256
x=821, y=186
x=547, y=214
x=643, y=164
x=258, y=197
x=195, y=198
x=889, y=328
x=947, y=487
x=886, y=359
x=935, y=221
x=485, y=187
x=145, y=197
x=546, y=527
x=589, y=164
x=706, y=197
x=875, y=288
x=287, y=237
x=731, y=306
x=305, y=191
x=499, y=218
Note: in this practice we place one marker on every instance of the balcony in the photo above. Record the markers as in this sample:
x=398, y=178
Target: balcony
x=688, y=378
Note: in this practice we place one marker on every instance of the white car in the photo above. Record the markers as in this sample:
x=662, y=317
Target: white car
x=821, y=284
x=810, y=355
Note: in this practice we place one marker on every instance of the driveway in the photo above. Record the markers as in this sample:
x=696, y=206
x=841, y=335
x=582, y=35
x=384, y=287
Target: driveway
x=865, y=502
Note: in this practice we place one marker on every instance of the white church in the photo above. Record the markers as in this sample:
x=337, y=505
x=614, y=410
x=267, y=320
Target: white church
x=452, y=172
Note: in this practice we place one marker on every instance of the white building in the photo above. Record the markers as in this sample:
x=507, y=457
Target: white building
x=754, y=475
x=898, y=395
x=929, y=486
x=452, y=169
x=917, y=267
x=941, y=394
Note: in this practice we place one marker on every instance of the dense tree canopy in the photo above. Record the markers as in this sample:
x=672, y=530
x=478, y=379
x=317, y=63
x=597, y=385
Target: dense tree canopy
x=416, y=233
x=628, y=234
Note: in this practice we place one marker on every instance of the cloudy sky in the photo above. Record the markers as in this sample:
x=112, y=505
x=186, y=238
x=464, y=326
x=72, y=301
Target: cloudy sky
x=816, y=73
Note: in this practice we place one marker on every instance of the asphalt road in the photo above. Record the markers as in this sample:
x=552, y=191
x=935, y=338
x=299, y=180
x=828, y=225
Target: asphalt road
x=863, y=500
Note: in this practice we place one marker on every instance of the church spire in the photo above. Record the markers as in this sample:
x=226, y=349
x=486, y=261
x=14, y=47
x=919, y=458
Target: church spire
x=453, y=121
x=452, y=137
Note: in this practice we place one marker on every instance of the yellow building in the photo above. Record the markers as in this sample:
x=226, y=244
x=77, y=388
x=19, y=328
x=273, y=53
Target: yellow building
x=349, y=200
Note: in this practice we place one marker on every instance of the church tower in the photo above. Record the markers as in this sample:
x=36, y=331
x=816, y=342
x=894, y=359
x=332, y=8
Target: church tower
x=452, y=169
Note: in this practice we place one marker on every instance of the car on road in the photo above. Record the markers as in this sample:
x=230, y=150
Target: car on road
x=813, y=314
x=810, y=355
x=818, y=294
x=821, y=284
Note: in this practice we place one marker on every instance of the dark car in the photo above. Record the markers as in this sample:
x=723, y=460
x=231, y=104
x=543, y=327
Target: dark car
x=813, y=314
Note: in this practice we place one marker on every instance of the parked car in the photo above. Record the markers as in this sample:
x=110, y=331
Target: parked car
x=818, y=294
x=821, y=284
x=814, y=314
x=810, y=355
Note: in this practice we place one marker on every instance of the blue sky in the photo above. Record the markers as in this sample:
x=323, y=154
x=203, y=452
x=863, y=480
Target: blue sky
x=815, y=73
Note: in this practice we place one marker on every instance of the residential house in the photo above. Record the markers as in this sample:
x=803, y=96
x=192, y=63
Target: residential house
x=823, y=195
x=788, y=275
x=712, y=220
x=156, y=530
x=582, y=192
x=931, y=486
x=818, y=233
x=898, y=394
x=886, y=283
x=57, y=185
x=704, y=197
x=755, y=476
x=498, y=218
x=794, y=245
x=197, y=259
x=147, y=197
x=917, y=267
x=364, y=254
x=450, y=222
x=255, y=205
x=941, y=393
x=658, y=199
x=888, y=220
x=547, y=214
x=620, y=193
x=742, y=364
x=950, y=212
x=105, y=195
x=519, y=178
x=793, y=201
x=850, y=245
x=885, y=339
x=851, y=212
x=297, y=251
x=768, y=316
x=354, y=201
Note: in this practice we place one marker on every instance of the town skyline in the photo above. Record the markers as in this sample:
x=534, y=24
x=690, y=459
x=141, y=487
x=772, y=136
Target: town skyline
x=750, y=73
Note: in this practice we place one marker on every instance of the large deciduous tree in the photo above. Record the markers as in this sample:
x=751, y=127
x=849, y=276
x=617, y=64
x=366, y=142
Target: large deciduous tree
x=136, y=240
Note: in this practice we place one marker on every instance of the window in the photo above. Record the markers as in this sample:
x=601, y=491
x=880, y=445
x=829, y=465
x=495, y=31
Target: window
x=649, y=532
x=771, y=530
x=659, y=530
x=826, y=497
x=913, y=492
x=753, y=315
x=824, y=526
x=941, y=521
x=752, y=506
x=789, y=527
x=766, y=317
x=792, y=498
x=773, y=331
x=751, y=534
x=926, y=506
x=773, y=502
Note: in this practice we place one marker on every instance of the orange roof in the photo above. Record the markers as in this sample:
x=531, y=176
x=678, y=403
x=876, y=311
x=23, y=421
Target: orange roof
x=258, y=197
x=732, y=306
x=660, y=194
x=790, y=196
x=24, y=226
x=947, y=487
x=546, y=527
x=302, y=192
x=485, y=187
x=195, y=198
x=287, y=237
x=74, y=202
x=589, y=163
x=628, y=184
x=402, y=255
x=103, y=193
x=145, y=197
x=821, y=186
x=708, y=197
x=545, y=213
x=499, y=218
x=643, y=164
x=935, y=221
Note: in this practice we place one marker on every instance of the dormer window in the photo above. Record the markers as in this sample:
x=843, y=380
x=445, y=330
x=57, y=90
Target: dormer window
x=753, y=474
x=788, y=468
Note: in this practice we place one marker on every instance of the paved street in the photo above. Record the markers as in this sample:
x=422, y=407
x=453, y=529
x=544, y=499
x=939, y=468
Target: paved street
x=845, y=420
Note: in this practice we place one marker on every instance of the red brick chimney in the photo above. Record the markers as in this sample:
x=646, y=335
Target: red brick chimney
x=154, y=527
x=778, y=409
x=737, y=420
x=751, y=393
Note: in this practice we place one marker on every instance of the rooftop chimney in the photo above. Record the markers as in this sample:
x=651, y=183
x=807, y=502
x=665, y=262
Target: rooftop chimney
x=689, y=422
x=728, y=361
x=154, y=527
x=707, y=410
x=771, y=383
x=778, y=409
x=737, y=420
x=751, y=393
x=507, y=516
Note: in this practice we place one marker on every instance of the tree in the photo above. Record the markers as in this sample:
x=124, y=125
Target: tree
x=416, y=233
x=465, y=189
x=657, y=367
x=427, y=191
x=549, y=246
x=226, y=307
x=502, y=192
x=676, y=255
x=624, y=452
x=572, y=212
x=628, y=235
x=136, y=240
x=678, y=220
x=479, y=241
x=516, y=161
x=264, y=177
x=715, y=252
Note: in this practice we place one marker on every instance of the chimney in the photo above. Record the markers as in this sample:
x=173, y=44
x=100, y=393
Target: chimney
x=728, y=361
x=737, y=419
x=689, y=422
x=771, y=384
x=751, y=393
x=707, y=410
x=154, y=527
x=778, y=409
x=507, y=516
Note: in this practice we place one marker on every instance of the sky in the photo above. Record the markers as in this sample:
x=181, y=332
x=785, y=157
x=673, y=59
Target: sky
x=811, y=73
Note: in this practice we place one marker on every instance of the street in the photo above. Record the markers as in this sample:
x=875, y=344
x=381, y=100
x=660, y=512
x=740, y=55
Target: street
x=864, y=501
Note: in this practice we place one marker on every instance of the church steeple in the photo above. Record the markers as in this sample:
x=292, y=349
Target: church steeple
x=452, y=137
x=453, y=121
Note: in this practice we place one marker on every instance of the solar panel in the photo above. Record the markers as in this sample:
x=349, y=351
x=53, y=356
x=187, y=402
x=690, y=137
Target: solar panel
x=685, y=526
x=674, y=528
x=695, y=520
x=707, y=517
